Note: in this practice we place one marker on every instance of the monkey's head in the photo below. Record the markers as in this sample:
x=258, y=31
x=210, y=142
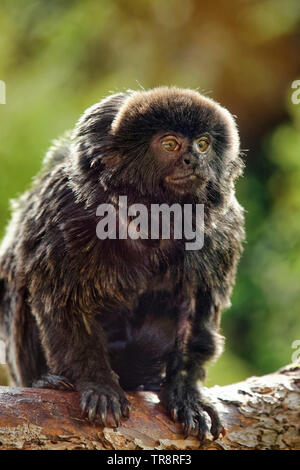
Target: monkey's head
x=167, y=143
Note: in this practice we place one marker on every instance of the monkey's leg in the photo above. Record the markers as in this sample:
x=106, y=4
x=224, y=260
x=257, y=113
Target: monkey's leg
x=75, y=349
x=24, y=354
x=56, y=382
x=197, y=341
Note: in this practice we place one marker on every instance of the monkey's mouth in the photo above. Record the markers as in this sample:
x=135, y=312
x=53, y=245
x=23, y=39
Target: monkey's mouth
x=183, y=182
x=182, y=179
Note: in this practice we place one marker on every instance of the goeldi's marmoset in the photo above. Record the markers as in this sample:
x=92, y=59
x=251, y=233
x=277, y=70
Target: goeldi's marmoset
x=102, y=315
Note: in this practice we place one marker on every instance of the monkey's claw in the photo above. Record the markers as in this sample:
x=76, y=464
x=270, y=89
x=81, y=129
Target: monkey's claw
x=185, y=405
x=56, y=382
x=99, y=399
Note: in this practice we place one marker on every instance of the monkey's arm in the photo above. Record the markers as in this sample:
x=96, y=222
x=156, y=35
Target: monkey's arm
x=204, y=341
x=197, y=341
x=75, y=347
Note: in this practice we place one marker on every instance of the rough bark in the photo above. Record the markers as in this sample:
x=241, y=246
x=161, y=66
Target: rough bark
x=259, y=413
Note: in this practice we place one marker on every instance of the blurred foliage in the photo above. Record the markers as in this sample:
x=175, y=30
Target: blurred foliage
x=59, y=57
x=3, y=375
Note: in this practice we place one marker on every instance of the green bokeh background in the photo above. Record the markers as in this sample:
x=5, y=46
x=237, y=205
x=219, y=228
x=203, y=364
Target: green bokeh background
x=59, y=57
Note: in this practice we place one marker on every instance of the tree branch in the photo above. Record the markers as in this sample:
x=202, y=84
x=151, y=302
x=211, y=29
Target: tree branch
x=259, y=413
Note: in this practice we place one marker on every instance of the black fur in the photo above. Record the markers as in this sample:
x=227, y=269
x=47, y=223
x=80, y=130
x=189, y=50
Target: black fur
x=76, y=310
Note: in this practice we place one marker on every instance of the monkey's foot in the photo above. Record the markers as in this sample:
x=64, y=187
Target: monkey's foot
x=56, y=382
x=186, y=405
x=99, y=398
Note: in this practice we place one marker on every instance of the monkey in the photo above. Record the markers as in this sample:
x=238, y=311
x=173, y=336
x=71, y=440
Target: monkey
x=104, y=316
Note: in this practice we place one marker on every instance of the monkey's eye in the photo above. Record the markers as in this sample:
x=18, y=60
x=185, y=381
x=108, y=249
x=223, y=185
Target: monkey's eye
x=203, y=143
x=170, y=144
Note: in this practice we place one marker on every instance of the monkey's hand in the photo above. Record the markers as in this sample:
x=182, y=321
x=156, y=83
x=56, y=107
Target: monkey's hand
x=97, y=398
x=185, y=404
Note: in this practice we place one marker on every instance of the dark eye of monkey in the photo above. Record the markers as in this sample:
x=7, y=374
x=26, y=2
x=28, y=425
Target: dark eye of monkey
x=203, y=143
x=170, y=144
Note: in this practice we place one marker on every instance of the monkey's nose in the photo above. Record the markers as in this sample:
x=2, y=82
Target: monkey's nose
x=189, y=160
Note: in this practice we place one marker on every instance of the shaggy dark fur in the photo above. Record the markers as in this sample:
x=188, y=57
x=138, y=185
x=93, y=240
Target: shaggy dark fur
x=81, y=312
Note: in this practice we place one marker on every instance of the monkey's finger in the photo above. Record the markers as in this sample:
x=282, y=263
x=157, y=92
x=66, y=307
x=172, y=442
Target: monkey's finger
x=174, y=414
x=85, y=398
x=59, y=381
x=202, y=427
x=216, y=425
x=66, y=385
x=102, y=409
x=125, y=407
x=116, y=410
x=189, y=423
x=92, y=408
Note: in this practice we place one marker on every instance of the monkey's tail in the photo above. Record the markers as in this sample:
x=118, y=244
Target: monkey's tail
x=140, y=362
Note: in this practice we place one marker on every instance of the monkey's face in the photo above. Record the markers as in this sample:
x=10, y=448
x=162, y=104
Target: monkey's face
x=176, y=142
x=183, y=161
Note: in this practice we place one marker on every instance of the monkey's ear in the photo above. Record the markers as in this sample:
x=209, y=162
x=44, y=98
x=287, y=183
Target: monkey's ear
x=91, y=145
x=91, y=138
x=98, y=118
